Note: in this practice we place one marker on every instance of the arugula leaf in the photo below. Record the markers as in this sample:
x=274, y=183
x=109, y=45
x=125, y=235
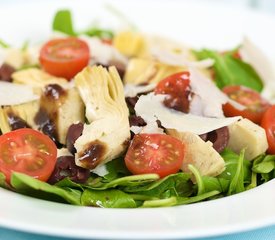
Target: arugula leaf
x=231, y=163
x=4, y=44
x=237, y=182
x=128, y=181
x=63, y=22
x=111, y=198
x=172, y=201
x=32, y=187
x=98, y=32
x=231, y=71
x=3, y=182
x=178, y=184
x=198, y=177
x=264, y=164
x=116, y=169
x=215, y=183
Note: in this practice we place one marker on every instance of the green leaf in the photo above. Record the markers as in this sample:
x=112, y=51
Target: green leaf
x=215, y=183
x=63, y=22
x=32, y=187
x=231, y=71
x=253, y=183
x=98, y=32
x=173, y=185
x=3, y=182
x=264, y=164
x=107, y=199
x=68, y=183
x=4, y=44
x=129, y=181
x=231, y=163
x=172, y=201
x=116, y=169
x=237, y=182
x=198, y=177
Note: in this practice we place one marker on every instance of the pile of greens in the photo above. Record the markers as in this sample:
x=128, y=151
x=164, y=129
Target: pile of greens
x=119, y=189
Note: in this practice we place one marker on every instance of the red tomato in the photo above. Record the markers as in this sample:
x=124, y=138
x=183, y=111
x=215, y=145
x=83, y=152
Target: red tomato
x=268, y=123
x=64, y=57
x=252, y=100
x=177, y=87
x=27, y=151
x=154, y=153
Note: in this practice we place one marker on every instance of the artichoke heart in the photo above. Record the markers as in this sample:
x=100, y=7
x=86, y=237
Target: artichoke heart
x=141, y=70
x=199, y=153
x=130, y=44
x=108, y=132
x=37, y=78
x=17, y=116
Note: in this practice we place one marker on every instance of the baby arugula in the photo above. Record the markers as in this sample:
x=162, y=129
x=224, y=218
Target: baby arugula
x=119, y=189
x=63, y=23
x=230, y=70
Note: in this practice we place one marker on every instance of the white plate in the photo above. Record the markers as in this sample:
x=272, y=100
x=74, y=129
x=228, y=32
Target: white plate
x=197, y=24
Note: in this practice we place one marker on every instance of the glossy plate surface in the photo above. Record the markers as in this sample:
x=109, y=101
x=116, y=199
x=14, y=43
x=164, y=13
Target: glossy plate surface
x=198, y=25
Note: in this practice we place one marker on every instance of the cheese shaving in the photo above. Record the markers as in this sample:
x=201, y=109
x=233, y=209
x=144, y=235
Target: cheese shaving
x=151, y=108
x=13, y=94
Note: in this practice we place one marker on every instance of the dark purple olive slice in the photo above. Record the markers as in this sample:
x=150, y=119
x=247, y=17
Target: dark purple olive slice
x=219, y=138
x=65, y=167
x=6, y=71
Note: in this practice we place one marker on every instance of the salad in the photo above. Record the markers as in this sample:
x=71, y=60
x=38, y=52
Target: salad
x=123, y=119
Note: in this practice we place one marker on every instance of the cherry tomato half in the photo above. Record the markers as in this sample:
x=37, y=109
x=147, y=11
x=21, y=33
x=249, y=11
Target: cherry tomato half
x=27, y=151
x=252, y=100
x=154, y=153
x=64, y=57
x=177, y=87
x=268, y=123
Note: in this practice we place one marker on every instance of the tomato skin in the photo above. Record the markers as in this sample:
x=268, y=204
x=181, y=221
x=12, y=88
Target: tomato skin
x=64, y=57
x=252, y=100
x=27, y=151
x=268, y=123
x=177, y=87
x=154, y=153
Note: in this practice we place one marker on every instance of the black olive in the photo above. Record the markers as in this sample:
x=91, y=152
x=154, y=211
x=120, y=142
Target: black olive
x=6, y=71
x=65, y=167
x=219, y=138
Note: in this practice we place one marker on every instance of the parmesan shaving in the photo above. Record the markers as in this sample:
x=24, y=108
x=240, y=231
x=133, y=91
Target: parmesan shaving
x=103, y=53
x=132, y=90
x=179, y=59
x=14, y=94
x=151, y=108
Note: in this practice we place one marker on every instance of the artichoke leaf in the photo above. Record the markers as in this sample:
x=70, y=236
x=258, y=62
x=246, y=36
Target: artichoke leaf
x=104, y=137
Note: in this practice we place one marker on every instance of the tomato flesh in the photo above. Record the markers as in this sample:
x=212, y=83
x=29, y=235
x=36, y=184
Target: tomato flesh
x=177, y=87
x=252, y=100
x=154, y=153
x=64, y=57
x=27, y=151
x=268, y=123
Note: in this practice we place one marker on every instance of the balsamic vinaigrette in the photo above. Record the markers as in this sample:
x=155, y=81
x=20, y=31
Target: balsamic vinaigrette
x=93, y=154
x=51, y=99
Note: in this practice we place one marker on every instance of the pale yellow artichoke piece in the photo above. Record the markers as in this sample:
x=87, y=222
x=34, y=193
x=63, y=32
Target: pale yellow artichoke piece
x=71, y=111
x=62, y=113
x=130, y=44
x=199, y=153
x=37, y=78
x=108, y=131
x=141, y=71
x=25, y=111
